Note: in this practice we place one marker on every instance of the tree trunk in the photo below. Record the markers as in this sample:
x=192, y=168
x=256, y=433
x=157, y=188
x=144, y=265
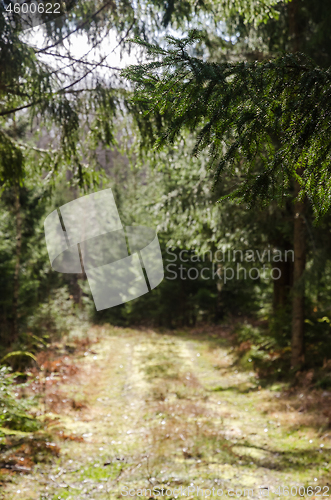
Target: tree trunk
x=293, y=23
x=282, y=286
x=298, y=304
x=18, y=217
x=299, y=236
x=219, y=313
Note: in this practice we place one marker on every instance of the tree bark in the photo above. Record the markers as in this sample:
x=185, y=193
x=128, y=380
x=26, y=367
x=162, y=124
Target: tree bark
x=298, y=304
x=18, y=217
x=219, y=313
x=299, y=236
x=282, y=286
x=294, y=28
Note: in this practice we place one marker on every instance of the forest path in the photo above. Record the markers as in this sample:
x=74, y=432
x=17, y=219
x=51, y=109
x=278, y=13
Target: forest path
x=173, y=411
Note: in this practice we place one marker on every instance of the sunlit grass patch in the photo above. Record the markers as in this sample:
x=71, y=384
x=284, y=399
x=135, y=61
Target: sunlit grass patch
x=166, y=370
x=99, y=472
x=141, y=427
x=64, y=494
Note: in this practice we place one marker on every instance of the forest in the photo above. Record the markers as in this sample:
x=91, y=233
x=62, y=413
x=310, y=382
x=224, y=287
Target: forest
x=207, y=122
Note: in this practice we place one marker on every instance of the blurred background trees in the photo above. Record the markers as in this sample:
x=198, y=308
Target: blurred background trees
x=236, y=94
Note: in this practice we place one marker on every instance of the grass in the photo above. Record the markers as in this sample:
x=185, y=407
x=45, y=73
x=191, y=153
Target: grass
x=169, y=410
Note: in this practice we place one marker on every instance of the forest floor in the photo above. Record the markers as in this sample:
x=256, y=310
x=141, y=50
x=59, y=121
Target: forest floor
x=140, y=409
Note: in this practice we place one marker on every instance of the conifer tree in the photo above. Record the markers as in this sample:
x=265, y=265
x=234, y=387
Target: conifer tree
x=49, y=88
x=267, y=119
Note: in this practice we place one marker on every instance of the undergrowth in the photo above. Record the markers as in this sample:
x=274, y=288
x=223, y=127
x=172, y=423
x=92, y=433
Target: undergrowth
x=14, y=412
x=259, y=349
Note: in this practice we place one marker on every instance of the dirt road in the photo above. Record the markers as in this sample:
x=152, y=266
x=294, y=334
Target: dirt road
x=172, y=411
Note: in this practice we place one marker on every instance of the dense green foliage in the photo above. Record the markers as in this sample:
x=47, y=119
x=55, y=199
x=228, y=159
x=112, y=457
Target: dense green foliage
x=206, y=141
x=13, y=413
x=270, y=118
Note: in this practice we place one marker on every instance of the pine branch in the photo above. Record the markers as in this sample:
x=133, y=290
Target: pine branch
x=240, y=112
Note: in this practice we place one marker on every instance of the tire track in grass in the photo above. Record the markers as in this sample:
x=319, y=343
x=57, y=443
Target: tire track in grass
x=169, y=410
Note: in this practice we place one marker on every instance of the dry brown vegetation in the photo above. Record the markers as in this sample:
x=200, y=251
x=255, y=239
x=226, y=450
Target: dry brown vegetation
x=140, y=408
